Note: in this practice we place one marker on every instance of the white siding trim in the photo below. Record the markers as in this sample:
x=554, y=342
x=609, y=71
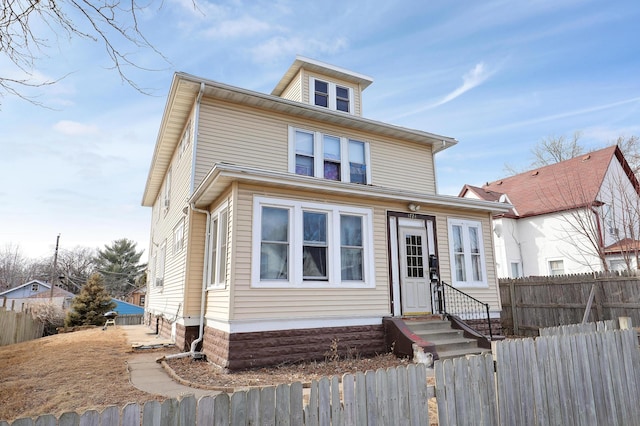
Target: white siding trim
x=259, y=325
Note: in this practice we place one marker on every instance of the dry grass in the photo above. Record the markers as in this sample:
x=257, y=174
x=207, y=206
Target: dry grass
x=67, y=372
x=88, y=370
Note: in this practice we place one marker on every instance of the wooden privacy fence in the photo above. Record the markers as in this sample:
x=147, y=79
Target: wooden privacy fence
x=395, y=396
x=578, y=379
x=565, y=379
x=529, y=304
x=589, y=327
x=129, y=319
x=16, y=327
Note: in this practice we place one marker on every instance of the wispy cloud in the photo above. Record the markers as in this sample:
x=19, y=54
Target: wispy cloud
x=73, y=128
x=280, y=46
x=473, y=78
x=567, y=114
x=245, y=26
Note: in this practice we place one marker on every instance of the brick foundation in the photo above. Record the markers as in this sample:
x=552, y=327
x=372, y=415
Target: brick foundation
x=249, y=350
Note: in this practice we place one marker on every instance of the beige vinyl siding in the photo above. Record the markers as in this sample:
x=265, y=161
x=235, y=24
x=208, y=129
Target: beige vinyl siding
x=174, y=298
x=293, y=91
x=257, y=138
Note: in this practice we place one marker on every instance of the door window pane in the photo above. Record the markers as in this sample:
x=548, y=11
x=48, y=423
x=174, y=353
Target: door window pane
x=415, y=263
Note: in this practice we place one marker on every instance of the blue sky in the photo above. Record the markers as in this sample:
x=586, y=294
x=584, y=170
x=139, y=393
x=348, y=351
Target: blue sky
x=498, y=76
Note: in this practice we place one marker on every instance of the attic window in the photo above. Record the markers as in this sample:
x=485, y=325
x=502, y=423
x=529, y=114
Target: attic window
x=330, y=95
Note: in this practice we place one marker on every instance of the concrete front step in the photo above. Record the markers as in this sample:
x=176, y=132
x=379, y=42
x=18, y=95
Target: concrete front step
x=449, y=342
x=460, y=353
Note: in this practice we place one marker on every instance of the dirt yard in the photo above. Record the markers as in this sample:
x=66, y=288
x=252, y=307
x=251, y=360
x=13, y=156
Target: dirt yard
x=88, y=370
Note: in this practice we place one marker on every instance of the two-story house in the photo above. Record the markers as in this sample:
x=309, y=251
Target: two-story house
x=576, y=216
x=282, y=222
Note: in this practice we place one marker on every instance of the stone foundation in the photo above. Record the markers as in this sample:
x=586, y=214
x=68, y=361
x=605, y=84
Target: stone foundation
x=259, y=349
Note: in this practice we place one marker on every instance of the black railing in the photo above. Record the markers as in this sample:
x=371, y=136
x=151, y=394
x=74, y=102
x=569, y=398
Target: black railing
x=449, y=301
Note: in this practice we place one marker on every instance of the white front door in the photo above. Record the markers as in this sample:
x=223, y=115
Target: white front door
x=413, y=253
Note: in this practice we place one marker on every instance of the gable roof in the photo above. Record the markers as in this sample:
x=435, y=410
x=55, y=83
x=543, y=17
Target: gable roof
x=42, y=283
x=566, y=185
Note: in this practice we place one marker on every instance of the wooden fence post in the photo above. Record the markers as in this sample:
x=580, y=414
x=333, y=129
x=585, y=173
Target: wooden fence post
x=514, y=310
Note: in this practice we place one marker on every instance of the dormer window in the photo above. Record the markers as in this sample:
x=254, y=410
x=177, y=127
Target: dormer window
x=322, y=93
x=342, y=99
x=332, y=96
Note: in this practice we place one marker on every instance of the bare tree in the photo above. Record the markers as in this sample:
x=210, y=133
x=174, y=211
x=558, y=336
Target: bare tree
x=630, y=147
x=13, y=270
x=113, y=23
x=75, y=267
x=554, y=149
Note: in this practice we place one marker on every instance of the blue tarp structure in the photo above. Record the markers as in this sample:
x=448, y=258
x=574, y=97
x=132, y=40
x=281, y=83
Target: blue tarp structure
x=125, y=308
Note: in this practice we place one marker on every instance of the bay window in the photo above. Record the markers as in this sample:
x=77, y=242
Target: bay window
x=304, y=244
x=467, y=253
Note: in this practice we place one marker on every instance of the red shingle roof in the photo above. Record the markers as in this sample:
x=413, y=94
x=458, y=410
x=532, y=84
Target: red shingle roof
x=558, y=187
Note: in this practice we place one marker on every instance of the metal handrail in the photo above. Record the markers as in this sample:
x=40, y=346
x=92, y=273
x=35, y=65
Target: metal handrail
x=451, y=301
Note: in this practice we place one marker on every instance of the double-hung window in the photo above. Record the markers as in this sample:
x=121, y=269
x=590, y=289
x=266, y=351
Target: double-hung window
x=327, y=156
x=300, y=244
x=331, y=95
x=218, y=234
x=178, y=237
x=467, y=253
x=160, y=260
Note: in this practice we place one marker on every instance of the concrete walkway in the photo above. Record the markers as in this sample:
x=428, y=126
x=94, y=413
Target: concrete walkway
x=148, y=375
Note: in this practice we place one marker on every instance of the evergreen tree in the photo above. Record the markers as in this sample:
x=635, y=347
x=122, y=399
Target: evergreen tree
x=119, y=264
x=89, y=307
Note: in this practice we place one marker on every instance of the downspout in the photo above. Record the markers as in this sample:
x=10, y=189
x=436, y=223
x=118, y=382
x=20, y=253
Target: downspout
x=205, y=272
x=196, y=122
x=601, y=254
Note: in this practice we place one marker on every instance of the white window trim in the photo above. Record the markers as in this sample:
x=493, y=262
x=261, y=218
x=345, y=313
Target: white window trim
x=166, y=192
x=217, y=282
x=161, y=265
x=556, y=259
x=295, y=245
x=318, y=154
x=332, y=95
x=465, y=223
x=185, y=141
x=178, y=237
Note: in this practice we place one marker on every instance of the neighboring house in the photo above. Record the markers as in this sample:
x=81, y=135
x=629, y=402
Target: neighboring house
x=571, y=217
x=283, y=222
x=136, y=297
x=34, y=291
